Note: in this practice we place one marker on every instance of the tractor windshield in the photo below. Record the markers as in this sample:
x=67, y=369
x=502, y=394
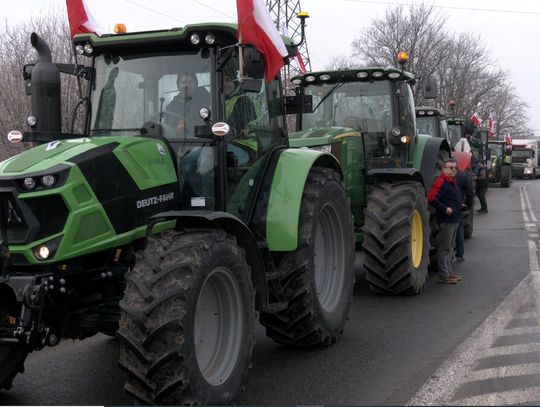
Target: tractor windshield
x=428, y=125
x=522, y=153
x=455, y=132
x=362, y=105
x=496, y=149
x=168, y=89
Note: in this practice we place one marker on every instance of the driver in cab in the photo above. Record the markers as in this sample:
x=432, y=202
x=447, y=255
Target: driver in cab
x=183, y=111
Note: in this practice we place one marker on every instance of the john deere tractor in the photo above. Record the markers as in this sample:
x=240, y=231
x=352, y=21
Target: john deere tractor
x=366, y=118
x=175, y=227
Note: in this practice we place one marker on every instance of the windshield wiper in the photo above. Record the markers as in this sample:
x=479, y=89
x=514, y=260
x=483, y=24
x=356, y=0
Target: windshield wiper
x=337, y=85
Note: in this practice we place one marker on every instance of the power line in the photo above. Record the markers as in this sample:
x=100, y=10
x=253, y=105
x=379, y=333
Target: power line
x=451, y=7
x=214, y=9
x=155, y=11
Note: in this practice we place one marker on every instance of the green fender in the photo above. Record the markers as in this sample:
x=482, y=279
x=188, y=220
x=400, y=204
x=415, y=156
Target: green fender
x=286, y=195
x=424, y=157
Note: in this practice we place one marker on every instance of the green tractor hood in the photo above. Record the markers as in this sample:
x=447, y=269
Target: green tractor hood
x=321, y=136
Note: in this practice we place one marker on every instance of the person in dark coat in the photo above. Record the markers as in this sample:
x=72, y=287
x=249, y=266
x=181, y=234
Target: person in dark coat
x=445, y=198
x=467, y=196
x=481, y=185
x=183, y=111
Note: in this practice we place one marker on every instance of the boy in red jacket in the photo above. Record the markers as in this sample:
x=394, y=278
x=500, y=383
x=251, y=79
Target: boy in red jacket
x=445, y=197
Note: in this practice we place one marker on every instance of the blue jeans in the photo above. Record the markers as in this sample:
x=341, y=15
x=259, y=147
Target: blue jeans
x=460, y=238
x=445, y=248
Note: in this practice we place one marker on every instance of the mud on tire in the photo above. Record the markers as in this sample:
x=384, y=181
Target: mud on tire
x=186, y=331
x=318, y=277
x=396, y=238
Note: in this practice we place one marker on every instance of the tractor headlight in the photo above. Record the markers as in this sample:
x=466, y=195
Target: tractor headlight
x=29, y=183
x=47, y=250
x=195, y=39
x=327, y=148
x=79, y=49
x=42, y=252
x=88, y=49
x=48, y=180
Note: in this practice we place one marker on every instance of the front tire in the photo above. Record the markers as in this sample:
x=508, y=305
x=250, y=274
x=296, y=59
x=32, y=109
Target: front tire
x=506, y=176
x=188, y=320
x=396, y=238
x=318, y=277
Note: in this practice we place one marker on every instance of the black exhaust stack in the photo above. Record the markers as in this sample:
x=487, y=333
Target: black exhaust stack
x=45, y=90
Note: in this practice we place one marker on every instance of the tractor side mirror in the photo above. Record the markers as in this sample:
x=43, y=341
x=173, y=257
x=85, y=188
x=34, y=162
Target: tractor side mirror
x=253, y=62
x=299, y=103
x=429, y=88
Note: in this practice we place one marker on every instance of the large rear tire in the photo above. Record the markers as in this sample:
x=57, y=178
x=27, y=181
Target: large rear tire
x=506, y=176
x=188, y=320
x=396, y=238
x=318, y=277
x=11, y=363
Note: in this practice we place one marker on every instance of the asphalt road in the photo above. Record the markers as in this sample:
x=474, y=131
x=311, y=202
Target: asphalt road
x=424, y=349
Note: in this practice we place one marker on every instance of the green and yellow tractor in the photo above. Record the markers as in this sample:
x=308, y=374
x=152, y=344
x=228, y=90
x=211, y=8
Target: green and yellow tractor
x=366, y=118
x=500, y=167
x=165, y=224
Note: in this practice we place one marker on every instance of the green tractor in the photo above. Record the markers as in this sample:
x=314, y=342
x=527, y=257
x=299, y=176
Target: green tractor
x=170, y=230
x=500, y=167
x=366, y=118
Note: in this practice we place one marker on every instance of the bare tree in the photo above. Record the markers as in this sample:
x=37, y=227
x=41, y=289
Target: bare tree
x=462, y=66
x=343, y=62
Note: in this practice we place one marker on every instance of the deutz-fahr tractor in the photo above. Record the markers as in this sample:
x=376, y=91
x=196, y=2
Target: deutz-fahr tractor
x=500, y=168
x=434, y=122
x=167, y=220
x=366, y=118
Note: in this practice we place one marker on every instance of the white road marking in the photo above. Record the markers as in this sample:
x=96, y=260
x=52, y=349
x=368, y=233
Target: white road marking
x=464, y=367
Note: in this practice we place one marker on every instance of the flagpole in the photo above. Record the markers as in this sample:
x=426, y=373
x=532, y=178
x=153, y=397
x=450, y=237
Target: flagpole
x=241, y=58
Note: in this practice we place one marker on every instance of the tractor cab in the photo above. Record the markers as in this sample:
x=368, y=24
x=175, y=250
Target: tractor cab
x=375, y=102
x=456, y=129
x=181, y=87
x=433, y=121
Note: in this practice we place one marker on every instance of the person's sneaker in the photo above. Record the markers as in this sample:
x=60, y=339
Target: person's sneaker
x=482, y=211
x=456, y=277
x=459, y=259
x=447, y=280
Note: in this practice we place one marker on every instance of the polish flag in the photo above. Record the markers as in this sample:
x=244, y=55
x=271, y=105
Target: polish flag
x=491, y=127
x=81, y=21
x=476, y=119
x=301, y=65
x=255, y=27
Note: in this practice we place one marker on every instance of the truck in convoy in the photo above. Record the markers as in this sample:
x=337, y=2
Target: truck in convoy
x=167, y=223
x=525, y=158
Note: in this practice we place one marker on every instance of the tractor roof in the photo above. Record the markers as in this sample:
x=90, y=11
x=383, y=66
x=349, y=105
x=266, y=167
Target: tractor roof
x=368, y=74
x=165, y=40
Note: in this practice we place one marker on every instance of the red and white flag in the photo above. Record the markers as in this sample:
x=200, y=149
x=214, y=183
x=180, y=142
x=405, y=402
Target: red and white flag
x=255, y=27
x=301, y=64
x=491, y=127
x=80, y=19
x=476, y=119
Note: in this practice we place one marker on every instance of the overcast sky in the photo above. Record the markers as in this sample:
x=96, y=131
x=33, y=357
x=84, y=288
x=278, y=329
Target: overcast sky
x=509, y=29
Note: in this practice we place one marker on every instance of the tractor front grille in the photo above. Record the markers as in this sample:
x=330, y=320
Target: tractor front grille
x=26, y=220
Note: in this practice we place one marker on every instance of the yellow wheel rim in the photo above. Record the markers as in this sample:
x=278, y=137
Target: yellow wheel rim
x=417, y=239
